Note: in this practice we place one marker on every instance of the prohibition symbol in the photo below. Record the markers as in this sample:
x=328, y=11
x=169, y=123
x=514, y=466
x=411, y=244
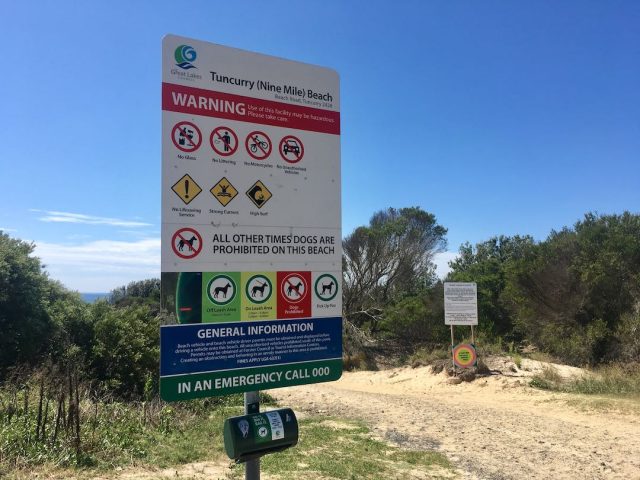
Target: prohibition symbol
x=221, y=289
x=294, y=288
x=224, y=141
x=258, y=289
x=326, y=287
x=186, y=243
x=186, y=136
x=291, y=149
x=464, y=355
x=258, y=145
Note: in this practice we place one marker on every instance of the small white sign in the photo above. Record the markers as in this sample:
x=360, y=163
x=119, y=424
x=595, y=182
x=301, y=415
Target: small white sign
x=460, y=303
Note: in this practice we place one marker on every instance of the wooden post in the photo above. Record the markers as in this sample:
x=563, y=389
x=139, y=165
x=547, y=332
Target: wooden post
x=452, y=345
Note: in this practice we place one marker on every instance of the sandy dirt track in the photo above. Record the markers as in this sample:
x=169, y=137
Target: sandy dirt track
x=493, y=428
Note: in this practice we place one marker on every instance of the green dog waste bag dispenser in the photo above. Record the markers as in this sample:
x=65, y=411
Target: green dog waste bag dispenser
x=251, y=436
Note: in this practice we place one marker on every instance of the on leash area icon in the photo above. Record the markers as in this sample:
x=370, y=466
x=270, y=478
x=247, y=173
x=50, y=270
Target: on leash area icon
x=258, y=145
x=224, y=141
x=326, y=287
x=291, y=149
x=258, y=289
x=259, y=194
x=186, y=136
x=221, y=290
x=294, y=288
x=186, y=243
x=186, y=188
x=224, y=192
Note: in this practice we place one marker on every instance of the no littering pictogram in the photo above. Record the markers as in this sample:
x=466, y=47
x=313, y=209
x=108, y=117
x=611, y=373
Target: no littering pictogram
x=186, y=136
x=186, y=243
x=258, y=145
x=291, y=149
x=224, y=141
x=464, y=355
x=294, y=288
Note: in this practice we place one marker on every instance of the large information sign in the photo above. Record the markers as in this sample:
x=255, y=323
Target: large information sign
x=460, y=303
x=251, y=238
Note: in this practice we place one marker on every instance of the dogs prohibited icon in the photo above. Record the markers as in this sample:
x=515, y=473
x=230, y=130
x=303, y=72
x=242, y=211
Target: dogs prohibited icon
x=294, y=288
x=186, y=243
x=186, y=136
x=326, y=287
x=258, y=289
x=224, y=141
x=221, y=289
x=258, y=145
x=291, y=149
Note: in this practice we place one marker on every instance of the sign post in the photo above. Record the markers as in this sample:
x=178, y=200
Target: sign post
x=251, y=270
x=460, y=308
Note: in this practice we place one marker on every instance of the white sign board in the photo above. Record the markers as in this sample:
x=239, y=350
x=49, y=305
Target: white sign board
x=251, y=220
x=460, y=303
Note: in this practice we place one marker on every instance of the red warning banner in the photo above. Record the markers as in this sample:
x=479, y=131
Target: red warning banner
x=209, y=103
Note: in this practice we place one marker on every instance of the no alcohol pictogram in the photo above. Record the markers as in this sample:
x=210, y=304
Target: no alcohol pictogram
x=224, y=141
x=258, y=145
x=186, y=243
x=291, y=149
x=294, y=288
x=186, y=136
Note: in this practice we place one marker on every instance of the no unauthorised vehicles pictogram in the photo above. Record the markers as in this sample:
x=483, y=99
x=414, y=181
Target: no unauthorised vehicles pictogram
x=186, y=136
x=258, y=145
x=224, y=141
x=464, y=355
x=291, y=149
x=186, y=243
x=186, y=188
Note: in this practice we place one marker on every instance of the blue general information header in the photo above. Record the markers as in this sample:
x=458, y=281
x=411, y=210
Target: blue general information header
x=209, y=347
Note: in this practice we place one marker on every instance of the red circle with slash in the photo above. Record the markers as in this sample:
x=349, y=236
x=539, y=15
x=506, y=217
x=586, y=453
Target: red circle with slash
x=218, y=137
x=291, y=149
x=182, y=136
x=258, y=145
x=183, y=246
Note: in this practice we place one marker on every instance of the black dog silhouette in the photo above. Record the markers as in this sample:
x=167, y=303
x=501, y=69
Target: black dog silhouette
x=257, y=289
x=219, y=290
x=182, y=243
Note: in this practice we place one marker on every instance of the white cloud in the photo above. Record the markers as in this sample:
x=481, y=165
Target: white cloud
x=67, y=217
x=6, y=230
x=442, y=263
x=101, y=265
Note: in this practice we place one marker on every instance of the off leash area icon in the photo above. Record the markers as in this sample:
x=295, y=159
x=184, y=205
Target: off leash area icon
x=291, y=149
x=258, y=145
x=326, y=287
x=186, y=243
x=258, y=289
x=464, y=355
x=186, y=136
x=224, y=191
x=294, y=288
x=259, y=194
x=221, y=290
x=186, y=188
x=224, y=141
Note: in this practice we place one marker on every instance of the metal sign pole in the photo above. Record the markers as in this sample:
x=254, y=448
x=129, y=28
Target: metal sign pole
x=473, y=337
x=252, y=405
x=452, y=345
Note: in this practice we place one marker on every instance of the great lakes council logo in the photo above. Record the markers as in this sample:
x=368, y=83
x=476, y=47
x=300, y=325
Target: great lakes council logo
x=184, y=55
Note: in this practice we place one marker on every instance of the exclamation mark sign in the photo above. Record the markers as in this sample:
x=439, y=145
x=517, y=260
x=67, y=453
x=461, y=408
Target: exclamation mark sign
x=186, y=189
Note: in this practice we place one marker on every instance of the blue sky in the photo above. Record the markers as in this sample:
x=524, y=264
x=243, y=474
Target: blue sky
x=498, y=117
